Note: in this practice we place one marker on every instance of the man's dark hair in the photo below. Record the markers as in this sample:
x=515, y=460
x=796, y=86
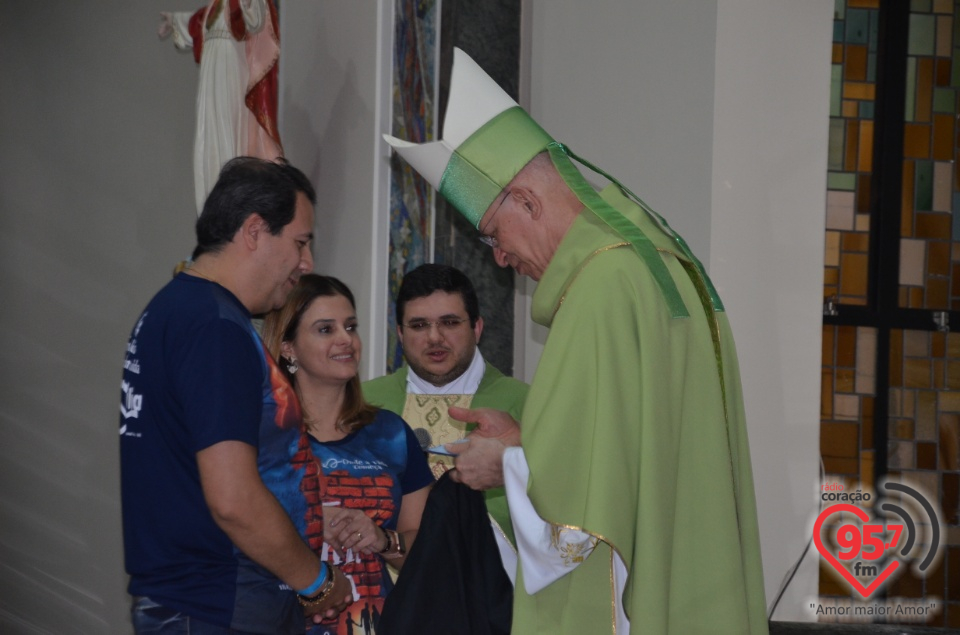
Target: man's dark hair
x=249, y=185
x=426, y=279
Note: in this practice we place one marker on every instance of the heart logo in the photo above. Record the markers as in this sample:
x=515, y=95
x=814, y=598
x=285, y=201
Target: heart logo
x=865, y=591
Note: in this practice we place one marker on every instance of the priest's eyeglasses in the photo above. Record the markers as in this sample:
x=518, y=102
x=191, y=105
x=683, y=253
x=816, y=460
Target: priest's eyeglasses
x=445, y=325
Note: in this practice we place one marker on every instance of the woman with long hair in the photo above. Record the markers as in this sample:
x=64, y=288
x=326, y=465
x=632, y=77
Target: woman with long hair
x=365, y=479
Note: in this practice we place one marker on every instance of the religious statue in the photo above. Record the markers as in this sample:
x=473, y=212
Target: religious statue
x=237, y=44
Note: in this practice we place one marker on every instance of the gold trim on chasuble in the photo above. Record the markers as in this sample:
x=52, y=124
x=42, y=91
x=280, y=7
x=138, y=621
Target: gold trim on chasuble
x=703, y=292
x=428, y=416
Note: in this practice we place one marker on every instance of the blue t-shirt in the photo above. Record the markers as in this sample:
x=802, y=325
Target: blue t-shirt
x=195, y=374
x=370, y=470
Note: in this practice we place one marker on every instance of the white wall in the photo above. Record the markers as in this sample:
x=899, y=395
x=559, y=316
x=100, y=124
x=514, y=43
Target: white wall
x=769, y=193
x=96, y=207
x=335, y=103
x=715, y=113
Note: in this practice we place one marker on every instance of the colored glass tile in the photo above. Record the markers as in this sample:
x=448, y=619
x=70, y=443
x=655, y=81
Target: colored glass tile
x=926, y=410
x=859, y=90
x=835, y=146
x=872, y=66
x=862, y=223
x=855, y=63
x=943, y=6
x=840, y=210
x=921, y=34
x=902, y=429
x=844, y=380
x=853, y=241
x=933, y=225
x=942, y=186
x=916, y=373
x=840, y=440
x=900, y=455
x=938, y=258
x=912, y=258
x=831, y=255
x=920, y=6
x=950, y=499
x=909, y=106
x=956, y=219
x=836, y=89
x=865, y=380
x=942, y=72
x=863, y=195
x=948, y=401
x=866, y=109
x=924, y=87
x=906, y=198
x=851, y=148
x=826, y=393
x=846, y=407
x=944, y=100
x=865, y=4
x=840, y=180
x=953, y=375
x=923, y=185
x=938, y=297
x=915, y=295
x=850, y=109
x=916, y=141
x=926, y=456
x=943, y=141
x=944, y=42
x=865, y=155
x=826, y=344
x=949, y=438
x=846, y=346
x=874, y=29
x=831, y=278
x=857, y=26
x=837, y=57
x=916, y=343
x=853, y=274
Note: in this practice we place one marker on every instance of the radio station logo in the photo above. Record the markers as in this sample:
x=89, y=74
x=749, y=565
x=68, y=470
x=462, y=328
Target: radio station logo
x=870, y=545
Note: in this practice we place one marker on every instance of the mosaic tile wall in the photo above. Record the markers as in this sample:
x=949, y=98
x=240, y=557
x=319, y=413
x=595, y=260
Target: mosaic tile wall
x=411, y=198
x=923, y=389
x=850, y=154
x=929, y=261
x=924, y=433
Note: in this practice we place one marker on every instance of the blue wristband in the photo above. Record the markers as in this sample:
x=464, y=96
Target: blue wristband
x=321, y=578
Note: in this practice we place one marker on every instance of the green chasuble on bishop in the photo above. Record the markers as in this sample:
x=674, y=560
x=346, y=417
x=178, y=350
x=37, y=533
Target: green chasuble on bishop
x=634, y=432
x=496, y=390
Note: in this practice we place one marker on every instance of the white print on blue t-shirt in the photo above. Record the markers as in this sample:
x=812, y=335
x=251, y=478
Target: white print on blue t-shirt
x=338, y=463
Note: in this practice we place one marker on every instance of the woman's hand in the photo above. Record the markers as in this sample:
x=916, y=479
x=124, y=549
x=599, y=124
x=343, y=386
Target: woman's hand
x=345, y=529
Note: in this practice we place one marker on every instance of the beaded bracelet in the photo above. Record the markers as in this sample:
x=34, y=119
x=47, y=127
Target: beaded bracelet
x=308, y=602
x=321, y=578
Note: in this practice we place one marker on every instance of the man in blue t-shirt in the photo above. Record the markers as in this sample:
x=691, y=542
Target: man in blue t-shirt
x=207, y=545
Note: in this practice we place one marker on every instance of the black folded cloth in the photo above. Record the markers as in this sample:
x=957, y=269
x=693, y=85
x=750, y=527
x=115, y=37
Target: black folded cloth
x=452, y=582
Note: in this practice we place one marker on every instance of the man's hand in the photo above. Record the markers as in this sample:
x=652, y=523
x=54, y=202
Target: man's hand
x=339, y=597
x=492, y=424
x=479, y=460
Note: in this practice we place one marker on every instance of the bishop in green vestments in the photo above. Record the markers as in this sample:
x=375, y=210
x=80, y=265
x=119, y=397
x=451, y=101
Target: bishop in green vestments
x=629, y=480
